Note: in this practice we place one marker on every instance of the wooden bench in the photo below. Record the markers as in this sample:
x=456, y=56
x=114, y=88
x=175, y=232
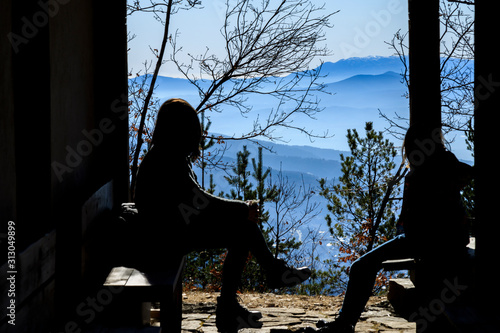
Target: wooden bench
x=151, y=280
x=406, y=294
x=412, y=264
x=134, y=290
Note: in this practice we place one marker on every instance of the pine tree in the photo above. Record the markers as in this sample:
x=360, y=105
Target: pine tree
x=362, y=214
x=262, y=193
x=204, y=145
x=242, y=188
x=211, y=185
x=204, y=268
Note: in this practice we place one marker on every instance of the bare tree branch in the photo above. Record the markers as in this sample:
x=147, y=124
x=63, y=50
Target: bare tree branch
x=263, y=46
x=140, y=140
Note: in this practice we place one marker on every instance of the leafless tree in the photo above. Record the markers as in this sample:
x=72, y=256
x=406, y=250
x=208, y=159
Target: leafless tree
x=145, y=92
x=292, y=207
x=147, y=98
x=264, y=45
x=138, y=90
x=160, y=8
x=457, y=76
x=312, y=239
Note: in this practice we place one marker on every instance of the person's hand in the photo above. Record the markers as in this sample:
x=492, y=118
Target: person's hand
x=253, y=210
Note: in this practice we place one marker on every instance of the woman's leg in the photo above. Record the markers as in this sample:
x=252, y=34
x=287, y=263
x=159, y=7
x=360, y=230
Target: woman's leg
x=240, y=238
x=232, y=271
x=229, y=228
x=222, y=223
x=362, y=277
x=212, y=222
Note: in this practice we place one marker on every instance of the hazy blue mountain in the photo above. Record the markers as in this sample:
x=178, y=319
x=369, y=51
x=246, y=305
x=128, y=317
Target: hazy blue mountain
x=332, y=72
x=347, y=68
x=356, y=90
x=294, y=161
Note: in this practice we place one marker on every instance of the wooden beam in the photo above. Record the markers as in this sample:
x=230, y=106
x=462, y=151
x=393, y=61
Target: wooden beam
x=487, y=106
x=425, y=82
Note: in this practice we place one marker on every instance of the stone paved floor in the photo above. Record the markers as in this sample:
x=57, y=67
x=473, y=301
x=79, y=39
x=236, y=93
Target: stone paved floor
x=291, y=312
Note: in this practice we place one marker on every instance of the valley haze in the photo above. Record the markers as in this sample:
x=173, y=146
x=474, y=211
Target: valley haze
x=358, y=88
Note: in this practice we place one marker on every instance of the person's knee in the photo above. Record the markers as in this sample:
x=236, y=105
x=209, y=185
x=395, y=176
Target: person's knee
x=249, y=230
x=362, y=266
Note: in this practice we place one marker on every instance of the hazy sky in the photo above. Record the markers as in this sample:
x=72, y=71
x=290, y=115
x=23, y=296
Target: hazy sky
x=359, y=29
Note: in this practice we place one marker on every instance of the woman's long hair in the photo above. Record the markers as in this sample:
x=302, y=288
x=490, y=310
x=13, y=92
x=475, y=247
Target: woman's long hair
x=178, y=128
x=421, y=142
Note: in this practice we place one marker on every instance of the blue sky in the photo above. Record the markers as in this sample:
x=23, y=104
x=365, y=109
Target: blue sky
x=359, y=30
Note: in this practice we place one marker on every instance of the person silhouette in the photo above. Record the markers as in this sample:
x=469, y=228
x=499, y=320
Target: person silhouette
x=432, y=218
x=178, y=216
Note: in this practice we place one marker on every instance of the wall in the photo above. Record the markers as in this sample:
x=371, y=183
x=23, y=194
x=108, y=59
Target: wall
x=64, y=146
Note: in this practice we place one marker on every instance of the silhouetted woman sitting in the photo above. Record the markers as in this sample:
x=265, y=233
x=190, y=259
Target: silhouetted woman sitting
x=181, y=217
x=433, y=220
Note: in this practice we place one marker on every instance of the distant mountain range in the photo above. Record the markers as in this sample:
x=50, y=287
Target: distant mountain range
x=296, y=162
x=346, y=68
x=357, y=89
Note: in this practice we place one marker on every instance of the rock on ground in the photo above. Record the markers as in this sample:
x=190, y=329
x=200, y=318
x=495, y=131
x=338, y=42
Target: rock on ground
x=290, y=312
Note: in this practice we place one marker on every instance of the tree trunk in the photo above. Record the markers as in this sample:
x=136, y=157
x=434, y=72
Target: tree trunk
x=140, y=141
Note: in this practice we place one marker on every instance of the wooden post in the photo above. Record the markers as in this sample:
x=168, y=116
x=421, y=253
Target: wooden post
x=487, y=182
x=425, y=82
